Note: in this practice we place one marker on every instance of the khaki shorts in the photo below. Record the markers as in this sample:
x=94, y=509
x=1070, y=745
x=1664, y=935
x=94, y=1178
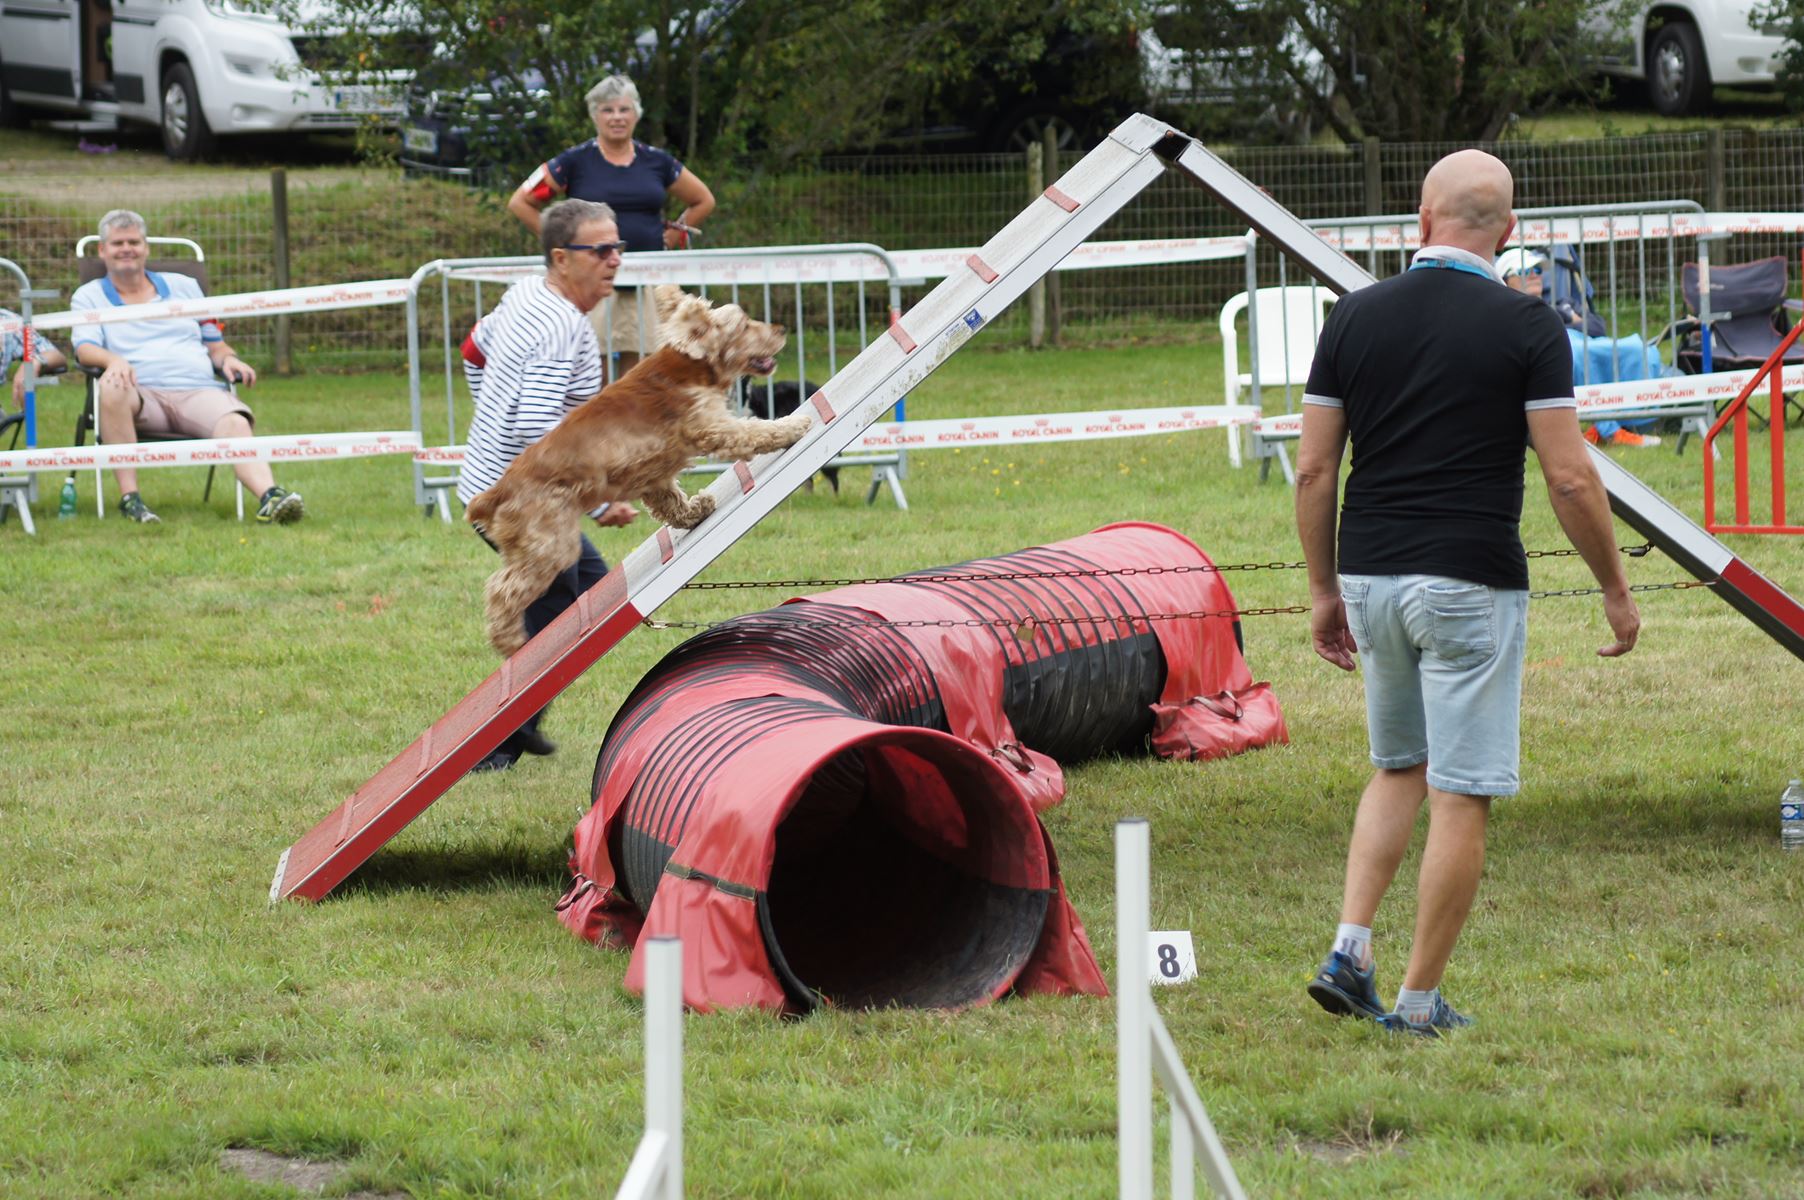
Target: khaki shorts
x=195, y=412
x=622, y=318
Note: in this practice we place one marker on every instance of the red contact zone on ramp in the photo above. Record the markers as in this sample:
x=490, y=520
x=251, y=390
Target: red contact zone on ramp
x=438, y=758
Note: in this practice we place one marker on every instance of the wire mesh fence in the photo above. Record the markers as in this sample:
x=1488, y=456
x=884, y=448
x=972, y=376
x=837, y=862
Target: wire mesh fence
x=373, y=224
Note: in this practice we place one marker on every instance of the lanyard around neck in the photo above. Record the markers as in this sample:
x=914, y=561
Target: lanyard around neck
x=1449, y=264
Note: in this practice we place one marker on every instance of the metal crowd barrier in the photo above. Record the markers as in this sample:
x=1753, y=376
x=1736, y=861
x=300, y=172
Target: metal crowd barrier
x=816, y=291
x=1630, y=255
x=21, y=491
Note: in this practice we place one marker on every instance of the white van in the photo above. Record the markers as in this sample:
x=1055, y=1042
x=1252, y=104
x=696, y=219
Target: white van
x=1682, y=48
x=198, y=69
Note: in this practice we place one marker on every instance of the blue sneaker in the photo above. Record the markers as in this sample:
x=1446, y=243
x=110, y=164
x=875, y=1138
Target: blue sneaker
x=1344, y=990
x=1442, y=1016
x=1398, y=1023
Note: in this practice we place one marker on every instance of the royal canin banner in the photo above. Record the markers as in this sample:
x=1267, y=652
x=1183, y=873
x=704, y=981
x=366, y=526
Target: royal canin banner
x=209, y=451
x=1610, y=399
x=1003, y=431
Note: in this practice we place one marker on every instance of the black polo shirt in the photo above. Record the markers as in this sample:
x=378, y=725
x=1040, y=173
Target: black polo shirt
x=1436, y=370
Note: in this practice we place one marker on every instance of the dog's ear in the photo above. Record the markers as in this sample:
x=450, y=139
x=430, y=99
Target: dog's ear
x=689, y=327
x=668, y=297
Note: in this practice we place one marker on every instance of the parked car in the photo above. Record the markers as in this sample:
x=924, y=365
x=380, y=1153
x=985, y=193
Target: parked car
x=197, y=69
x=1683, y=48
x=471, y=133
x=1212, y=72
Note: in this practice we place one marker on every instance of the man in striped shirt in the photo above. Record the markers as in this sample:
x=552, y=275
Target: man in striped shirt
x=529, y=362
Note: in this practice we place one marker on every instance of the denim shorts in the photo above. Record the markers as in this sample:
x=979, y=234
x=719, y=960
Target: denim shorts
x=1442, y=660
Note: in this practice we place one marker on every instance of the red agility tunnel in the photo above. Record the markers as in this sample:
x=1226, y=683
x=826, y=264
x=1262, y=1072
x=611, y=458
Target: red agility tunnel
x=835, y=801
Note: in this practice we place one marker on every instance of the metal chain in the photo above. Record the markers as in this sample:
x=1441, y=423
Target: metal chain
x=1073, y=573
x=1024, y=628
x=1633, y=587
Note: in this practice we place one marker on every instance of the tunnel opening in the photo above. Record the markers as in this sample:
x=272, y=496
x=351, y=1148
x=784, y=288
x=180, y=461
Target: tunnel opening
x=907, y=873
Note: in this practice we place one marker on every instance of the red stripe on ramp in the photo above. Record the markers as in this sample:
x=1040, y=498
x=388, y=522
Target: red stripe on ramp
x=1771, y=599
x=666, y=547
x=745, y=477
x=982, y=268
x=1061, y=199
x=902, y=339
x=819, y=400
x=474, y=726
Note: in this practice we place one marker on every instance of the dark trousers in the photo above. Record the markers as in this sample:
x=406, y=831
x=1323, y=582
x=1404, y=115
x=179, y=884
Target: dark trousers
x=571, y=582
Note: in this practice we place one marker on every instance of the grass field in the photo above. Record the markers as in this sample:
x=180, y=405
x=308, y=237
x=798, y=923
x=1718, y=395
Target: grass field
x=186, y=700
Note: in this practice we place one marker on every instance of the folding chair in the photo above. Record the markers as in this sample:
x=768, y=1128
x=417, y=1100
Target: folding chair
x=1285, y=322
x=1748, y=317
x=90, y=268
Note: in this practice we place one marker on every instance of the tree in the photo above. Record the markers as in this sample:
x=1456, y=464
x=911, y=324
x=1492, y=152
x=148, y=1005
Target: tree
x=1787, y=16
x=1402, y=70
x=781, y=77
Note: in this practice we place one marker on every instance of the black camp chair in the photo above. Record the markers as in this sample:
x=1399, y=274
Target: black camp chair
x=1749, y=317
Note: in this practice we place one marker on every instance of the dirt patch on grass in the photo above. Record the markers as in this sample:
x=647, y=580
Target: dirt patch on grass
x=301, y=1174
x=1348, y=1149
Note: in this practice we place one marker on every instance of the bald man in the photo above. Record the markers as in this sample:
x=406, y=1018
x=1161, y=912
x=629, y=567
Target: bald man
x=1441, y=377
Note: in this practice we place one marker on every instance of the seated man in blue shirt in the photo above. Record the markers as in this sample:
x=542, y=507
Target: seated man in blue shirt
x=161, y=376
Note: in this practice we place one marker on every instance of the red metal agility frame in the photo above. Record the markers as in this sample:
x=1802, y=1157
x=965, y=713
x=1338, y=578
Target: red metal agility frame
x=1773, y=371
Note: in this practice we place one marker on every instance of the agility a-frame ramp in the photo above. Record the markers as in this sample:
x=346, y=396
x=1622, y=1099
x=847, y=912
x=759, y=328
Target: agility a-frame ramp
x=1096, y=187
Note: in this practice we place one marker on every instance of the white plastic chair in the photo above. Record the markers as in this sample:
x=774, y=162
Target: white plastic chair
x=1285, y=322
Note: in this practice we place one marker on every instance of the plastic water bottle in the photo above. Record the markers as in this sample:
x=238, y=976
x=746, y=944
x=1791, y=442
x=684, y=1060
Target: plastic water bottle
x=1791, y=816
x=65, y=505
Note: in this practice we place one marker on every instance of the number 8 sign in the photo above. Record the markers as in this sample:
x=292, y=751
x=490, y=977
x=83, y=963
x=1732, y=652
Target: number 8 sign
x=1172, y=958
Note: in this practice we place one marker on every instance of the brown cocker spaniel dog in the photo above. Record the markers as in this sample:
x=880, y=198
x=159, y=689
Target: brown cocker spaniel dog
x=629, y=443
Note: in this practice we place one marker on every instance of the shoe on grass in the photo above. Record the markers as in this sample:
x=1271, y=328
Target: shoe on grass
x=532, y=741
x=280, y=506
x=1592, y=436
x=134, y=509
x=1344, y=990
x=495, y=760
x=1628, y=437
x=1442, y=1016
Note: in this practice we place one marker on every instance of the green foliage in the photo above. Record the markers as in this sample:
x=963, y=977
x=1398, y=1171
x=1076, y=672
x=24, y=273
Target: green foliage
x=778, y=77
x=187, y=700
x=1399, y=69
x=1787, y=15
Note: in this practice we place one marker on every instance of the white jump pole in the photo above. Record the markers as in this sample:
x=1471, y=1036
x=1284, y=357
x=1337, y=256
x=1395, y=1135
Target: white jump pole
x=1133, y=1003
x=656, y=1171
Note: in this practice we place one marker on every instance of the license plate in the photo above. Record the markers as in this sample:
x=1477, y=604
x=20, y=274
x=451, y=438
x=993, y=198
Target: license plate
x=359, y=99
x=420, y=141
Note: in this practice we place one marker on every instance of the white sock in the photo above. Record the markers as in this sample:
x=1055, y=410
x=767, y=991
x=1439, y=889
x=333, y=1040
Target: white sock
x=1416, y=1007
x=1355, y=941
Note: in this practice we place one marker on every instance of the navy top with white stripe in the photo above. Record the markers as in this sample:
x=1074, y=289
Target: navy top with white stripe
x=542, y=360
x=1436, y=371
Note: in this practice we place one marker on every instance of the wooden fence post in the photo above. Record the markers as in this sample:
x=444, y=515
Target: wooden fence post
x=278, y=199
x=1374, y=177
x=1055, y=305
x=1036, y=292
x=1715, y=171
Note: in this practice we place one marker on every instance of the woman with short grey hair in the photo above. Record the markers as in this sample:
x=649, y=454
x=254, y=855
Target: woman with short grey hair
x=637, y=181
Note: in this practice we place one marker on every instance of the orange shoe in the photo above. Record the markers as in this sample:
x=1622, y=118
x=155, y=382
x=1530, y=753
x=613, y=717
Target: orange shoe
x=1591, y=434
x=1628, y=437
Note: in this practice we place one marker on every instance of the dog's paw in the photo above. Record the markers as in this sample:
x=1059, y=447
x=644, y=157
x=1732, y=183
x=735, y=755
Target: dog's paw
x=796, y=425
x=699, y=509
